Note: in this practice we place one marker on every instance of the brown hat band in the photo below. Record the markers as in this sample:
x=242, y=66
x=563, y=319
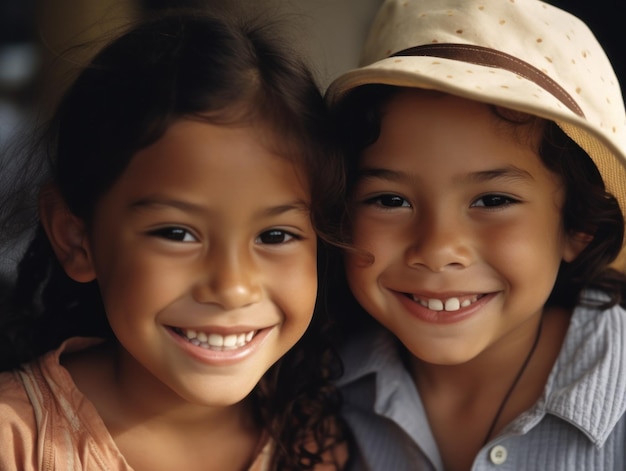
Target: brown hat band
x=492, y=58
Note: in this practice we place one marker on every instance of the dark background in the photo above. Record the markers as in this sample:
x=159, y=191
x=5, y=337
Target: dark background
x=30, y=32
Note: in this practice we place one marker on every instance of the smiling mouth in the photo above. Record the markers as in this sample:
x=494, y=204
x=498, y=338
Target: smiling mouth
x=449, y=304
x=214, y=341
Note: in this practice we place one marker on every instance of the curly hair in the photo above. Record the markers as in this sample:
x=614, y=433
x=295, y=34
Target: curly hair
x=185, y=64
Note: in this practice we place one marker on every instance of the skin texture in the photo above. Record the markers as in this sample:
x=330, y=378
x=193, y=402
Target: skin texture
x=207, y=229
x=453, y=202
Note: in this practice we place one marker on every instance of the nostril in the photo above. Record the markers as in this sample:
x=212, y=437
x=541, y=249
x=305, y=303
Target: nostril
x=438, y=259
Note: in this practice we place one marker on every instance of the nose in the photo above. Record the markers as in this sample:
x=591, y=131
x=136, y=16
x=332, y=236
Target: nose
x=438, y=243
x=230, y=278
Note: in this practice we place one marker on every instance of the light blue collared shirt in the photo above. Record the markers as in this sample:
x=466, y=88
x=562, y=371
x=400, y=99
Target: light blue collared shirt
x=577, y=424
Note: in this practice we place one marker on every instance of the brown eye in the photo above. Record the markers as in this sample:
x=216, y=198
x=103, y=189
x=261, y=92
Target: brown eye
x=389, y=201
x=174, y=233
x=492, y=201
x=274, y=236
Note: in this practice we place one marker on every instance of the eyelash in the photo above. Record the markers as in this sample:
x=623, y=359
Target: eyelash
x=179, y=234
x=499, y=200
x=489, y=201
x=388, y=201
x=282, y=234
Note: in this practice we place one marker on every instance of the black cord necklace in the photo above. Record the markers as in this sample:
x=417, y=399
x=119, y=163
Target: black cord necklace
x=515, y=381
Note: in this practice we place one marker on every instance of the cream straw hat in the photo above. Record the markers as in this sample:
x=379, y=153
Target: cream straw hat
x=521, y=54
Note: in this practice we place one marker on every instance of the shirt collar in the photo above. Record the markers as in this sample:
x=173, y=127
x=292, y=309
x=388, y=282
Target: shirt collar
x=375, y=379
x=587, y=386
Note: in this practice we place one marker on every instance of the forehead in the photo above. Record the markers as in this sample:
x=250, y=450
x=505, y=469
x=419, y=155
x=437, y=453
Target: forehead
x=272, y=132
x=433, y=132
x=197, y=156
x=409, y=110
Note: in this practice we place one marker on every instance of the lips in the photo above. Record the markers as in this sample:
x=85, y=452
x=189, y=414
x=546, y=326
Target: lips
x=444, y=308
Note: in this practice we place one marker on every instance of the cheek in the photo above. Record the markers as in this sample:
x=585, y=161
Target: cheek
x=132, y=284
x=362, y=276
x=525, y=251
x=294, y=287
x=378, y=241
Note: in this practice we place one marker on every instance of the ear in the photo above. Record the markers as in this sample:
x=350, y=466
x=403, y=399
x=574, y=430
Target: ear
x=575, y=244
x=67, y=235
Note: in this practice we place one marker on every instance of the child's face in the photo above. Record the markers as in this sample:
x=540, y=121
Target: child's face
x=464, y=224
x=206, y=237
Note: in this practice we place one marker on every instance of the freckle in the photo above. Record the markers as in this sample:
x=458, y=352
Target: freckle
x=397, y=61
x=578, y=90
x=481, y=7
x=504, y=86
x=549, y=60
x=450, y=76
x=614, y=130
x=435, y=41
x=469, y=71
x=459, y=31
x=502, y=22
x=539, y=40
x=388, y=52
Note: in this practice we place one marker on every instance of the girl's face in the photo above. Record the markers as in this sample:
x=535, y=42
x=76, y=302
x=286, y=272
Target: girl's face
x=464, y=223
x=206, y=258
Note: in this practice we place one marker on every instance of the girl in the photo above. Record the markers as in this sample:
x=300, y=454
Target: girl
x=175, y=264
x=486, y=149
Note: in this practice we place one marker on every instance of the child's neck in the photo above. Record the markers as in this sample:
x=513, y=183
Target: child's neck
x=462, y=401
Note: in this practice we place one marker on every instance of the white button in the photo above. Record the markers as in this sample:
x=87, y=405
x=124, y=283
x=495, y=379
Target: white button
x=497, y=454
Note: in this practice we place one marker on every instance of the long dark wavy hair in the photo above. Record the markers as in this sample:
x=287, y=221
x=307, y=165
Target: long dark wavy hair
x=588, y=207
x=184, y=64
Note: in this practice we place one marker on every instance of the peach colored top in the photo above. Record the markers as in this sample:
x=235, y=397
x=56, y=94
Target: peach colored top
x=47, y=424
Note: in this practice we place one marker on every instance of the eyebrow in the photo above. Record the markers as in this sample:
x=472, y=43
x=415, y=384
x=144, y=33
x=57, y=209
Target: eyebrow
x=381, y=174
x=154, y=202
x=508, y=172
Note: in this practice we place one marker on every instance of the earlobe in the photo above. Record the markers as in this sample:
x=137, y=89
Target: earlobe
x=575, y=244
x=67, y=235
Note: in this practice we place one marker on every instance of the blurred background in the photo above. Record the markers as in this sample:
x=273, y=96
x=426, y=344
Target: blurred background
x=38, y=40
x=35, y=36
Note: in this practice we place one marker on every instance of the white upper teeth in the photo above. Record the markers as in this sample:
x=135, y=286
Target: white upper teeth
x=215, y=341
x=450, y=304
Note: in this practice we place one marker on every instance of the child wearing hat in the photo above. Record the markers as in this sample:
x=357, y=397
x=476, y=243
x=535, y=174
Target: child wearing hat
x=485, y=151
